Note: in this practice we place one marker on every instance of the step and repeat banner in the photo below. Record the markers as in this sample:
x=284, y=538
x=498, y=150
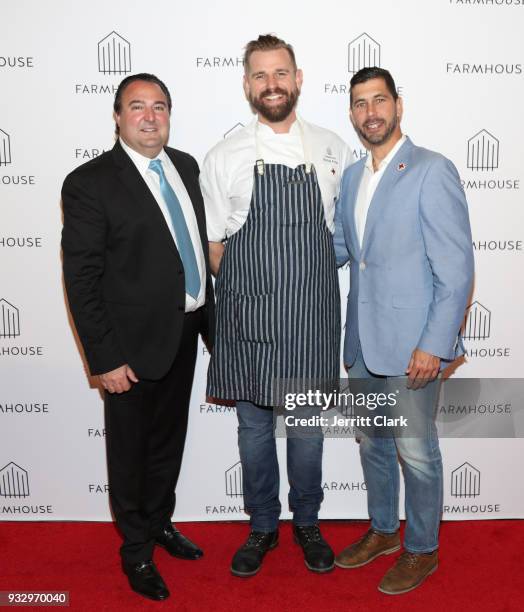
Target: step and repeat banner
x=458, y=65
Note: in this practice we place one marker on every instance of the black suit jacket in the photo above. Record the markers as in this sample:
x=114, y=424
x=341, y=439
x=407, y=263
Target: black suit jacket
x=123, y=275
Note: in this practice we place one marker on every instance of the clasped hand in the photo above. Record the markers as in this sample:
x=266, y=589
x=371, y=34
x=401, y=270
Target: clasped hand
x=119, y=380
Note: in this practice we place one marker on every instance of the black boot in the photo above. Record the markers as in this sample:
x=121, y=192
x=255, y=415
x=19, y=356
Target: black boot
x=318, y=555
x=248, y=558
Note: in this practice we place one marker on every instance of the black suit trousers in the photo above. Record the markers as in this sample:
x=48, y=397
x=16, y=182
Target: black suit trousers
x=145, y=434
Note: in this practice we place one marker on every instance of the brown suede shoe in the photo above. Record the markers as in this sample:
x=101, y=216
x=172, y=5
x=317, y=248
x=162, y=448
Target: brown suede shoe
x=370, y=546
x=409, y=571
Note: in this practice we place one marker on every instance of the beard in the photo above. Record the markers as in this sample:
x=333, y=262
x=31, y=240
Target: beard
x=279, y=112
x=378, y=139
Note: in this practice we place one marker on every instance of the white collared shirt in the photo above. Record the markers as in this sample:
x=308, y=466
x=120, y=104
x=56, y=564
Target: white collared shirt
x=368, y=184
x=153, y=182
x=227, y=172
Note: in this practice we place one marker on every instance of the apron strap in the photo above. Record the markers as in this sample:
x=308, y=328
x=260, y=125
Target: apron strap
x=305, y=147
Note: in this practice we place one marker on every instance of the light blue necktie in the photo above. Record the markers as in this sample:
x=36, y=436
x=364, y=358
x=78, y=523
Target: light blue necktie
x=183, y=239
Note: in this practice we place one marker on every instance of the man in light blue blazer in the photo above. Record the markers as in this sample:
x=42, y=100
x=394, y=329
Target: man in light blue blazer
x=402, y=223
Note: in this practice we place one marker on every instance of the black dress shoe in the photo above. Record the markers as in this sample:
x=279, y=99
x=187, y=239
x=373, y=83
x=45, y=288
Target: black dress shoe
x=318, y=555
x=145, y=580
x=178, y=545
x=248, y=558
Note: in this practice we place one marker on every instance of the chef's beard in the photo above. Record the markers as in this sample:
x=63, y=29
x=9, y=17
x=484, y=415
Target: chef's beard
x=278, y=113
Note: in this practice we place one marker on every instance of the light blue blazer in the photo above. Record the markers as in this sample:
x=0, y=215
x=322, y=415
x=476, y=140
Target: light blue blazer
x=410, y=281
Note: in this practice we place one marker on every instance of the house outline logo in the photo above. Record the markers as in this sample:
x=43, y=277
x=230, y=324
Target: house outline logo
x=483, y=151
x=465, y=481
x=235, y=128
x=114, y=54
x=9, y=320
x=5, y=148
x=234, y=482
x=14, y=481
x=363, y=52
x=477, y=323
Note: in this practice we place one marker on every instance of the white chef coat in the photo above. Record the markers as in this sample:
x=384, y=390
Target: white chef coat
x=226, y=177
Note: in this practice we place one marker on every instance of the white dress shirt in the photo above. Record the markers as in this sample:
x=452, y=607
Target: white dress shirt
x=153, y=182
x=368, y=185
x=227, y=173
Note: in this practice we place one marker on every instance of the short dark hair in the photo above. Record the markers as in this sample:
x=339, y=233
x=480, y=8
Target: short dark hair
x=142, y=76
x=268, y=42
x=366, y=74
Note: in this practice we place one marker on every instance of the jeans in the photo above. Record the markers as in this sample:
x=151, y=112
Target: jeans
x=421, y=464
x=261, y=479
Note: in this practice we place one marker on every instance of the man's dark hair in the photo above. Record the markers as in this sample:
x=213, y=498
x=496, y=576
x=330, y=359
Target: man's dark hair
x=142, y=76
x=366, y=74
x=267, y=42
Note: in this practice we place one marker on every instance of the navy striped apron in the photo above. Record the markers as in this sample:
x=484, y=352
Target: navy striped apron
x=277, y=293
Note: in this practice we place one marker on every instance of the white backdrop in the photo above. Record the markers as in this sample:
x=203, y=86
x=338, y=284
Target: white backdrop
x=458, y=64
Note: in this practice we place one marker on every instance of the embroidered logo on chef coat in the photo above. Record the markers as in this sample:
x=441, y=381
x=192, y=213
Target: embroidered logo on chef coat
x=329, y=157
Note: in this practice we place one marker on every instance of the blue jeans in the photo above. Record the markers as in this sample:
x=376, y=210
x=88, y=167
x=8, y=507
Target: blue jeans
x=421, y=466
x=261, y=478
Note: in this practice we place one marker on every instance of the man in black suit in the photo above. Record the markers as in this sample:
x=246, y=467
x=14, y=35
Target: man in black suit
x=137, y=277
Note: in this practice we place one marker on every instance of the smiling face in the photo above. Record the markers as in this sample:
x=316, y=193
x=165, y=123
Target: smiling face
x=272, y=85
x=375, y=114
x=143, y=119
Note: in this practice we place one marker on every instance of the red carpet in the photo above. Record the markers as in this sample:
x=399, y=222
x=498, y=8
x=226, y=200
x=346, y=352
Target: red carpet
x=481, y=568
